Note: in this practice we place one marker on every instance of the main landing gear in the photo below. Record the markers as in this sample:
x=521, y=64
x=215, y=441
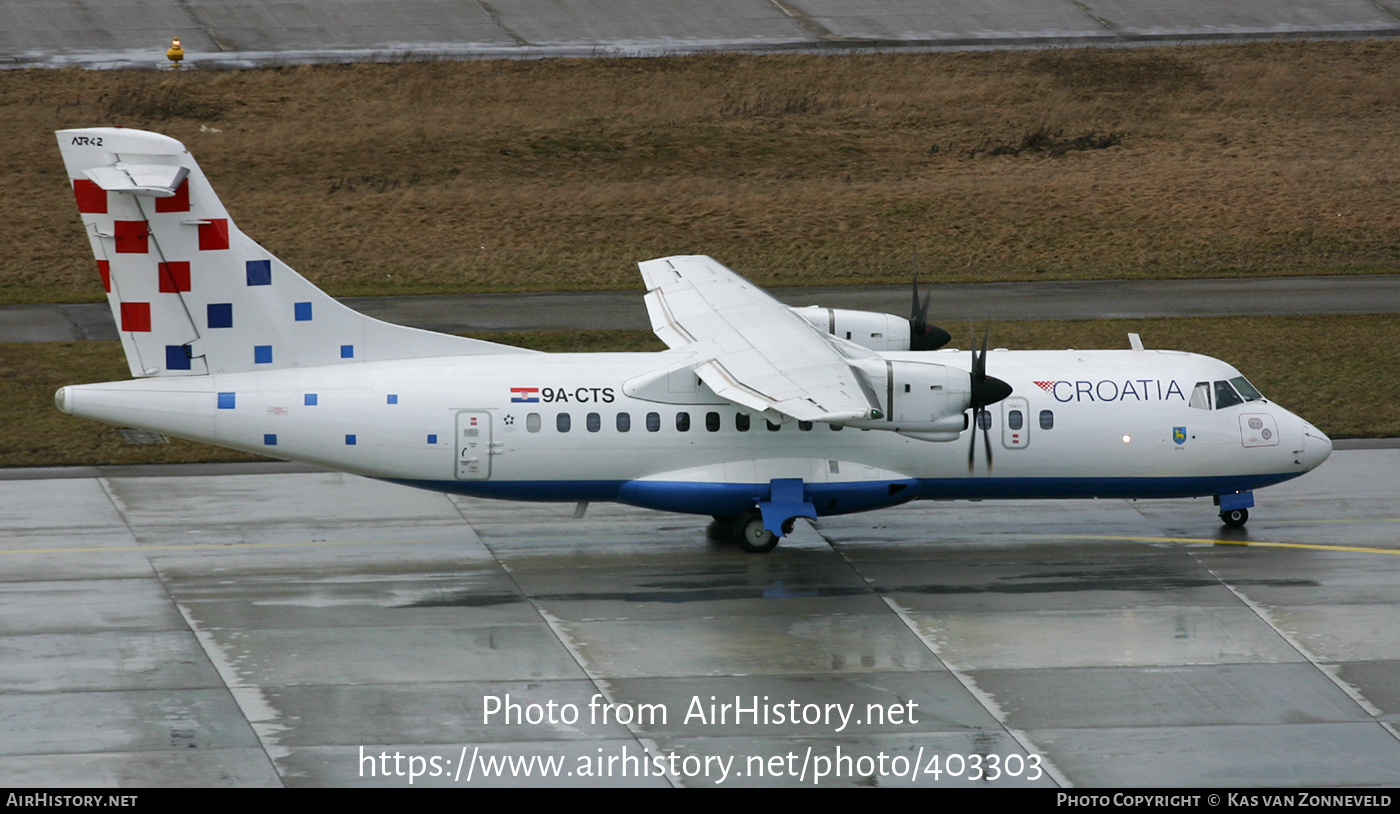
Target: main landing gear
x=748, y=531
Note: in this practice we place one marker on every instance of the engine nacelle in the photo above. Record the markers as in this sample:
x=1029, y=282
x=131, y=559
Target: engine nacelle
x=865, y=328
x=923, y=400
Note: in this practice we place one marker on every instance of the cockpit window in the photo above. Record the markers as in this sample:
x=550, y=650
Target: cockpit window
x=1225, y=396
x=1246, y=389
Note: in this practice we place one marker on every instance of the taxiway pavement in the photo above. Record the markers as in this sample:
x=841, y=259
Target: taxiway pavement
x=235, y=33
x=265, y=624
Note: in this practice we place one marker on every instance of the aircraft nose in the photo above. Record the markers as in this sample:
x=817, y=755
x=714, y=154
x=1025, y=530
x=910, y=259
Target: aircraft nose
x=1316, y=447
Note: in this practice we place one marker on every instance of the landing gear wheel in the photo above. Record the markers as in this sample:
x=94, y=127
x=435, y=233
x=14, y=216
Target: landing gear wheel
x=1235, y=518
x=752, y=536
x=720, y=528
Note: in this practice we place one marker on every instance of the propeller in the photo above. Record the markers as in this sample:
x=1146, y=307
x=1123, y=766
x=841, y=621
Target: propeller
x=986, y=391
x=923, y=336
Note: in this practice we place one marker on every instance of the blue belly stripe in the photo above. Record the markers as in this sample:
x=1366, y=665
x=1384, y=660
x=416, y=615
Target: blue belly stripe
x=729, y=499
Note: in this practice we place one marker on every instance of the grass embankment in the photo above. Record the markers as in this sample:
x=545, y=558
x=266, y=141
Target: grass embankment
x=561, y=174
x=1340, y=372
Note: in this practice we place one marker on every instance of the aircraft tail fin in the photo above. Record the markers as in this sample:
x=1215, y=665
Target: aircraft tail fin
x=190, y=293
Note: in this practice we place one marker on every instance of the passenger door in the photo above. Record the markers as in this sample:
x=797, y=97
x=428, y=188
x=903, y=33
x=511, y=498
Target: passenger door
x=473, y=445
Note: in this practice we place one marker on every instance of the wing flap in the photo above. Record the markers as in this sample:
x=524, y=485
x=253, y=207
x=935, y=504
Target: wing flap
x=752, y=349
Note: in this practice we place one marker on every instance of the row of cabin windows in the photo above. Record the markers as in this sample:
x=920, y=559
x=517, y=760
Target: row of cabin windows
x=1016, y=420
x=593, y=422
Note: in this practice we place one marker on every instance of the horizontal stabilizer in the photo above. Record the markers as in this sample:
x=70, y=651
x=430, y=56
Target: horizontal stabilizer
x=154, y=180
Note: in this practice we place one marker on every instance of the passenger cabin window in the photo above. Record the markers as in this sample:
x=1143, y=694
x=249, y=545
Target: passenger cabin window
x=741, y=422
x=594, y=421
x=984, y=419
x=561, y=422
x=653, y=422
x=1047, y=420
x=1014, y=419
x=805, y=426
x=682, y=422
x=624, y=422
x=1225, y=396
x=1200, y=396
x=772, y=427
x=712, y=422
x=532, y=422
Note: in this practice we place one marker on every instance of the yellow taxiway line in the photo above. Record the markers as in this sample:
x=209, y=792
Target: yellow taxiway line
x=1248, y=543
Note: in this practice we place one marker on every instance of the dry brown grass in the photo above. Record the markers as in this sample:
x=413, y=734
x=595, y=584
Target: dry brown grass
x=429, y=177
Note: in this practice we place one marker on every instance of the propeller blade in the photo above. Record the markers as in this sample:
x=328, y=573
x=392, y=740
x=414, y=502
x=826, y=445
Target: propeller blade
x=987, y=443
x=986, y=391
x=923, y=336
x=972, y=445
x=979, y=370
x=972, y=441
x=918, y=312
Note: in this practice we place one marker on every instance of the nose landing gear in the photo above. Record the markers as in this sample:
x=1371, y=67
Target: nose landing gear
x=1235, y=518
x=1234, y=508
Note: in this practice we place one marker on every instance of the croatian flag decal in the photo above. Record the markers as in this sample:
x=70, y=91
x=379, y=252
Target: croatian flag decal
x=524, y=395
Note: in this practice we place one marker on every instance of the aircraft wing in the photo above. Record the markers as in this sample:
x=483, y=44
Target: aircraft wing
x=754, y=351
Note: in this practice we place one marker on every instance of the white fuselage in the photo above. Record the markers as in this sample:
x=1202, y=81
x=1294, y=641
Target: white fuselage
x=562, y=427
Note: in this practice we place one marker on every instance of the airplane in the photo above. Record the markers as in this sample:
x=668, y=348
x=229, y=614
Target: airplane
x=757, y=414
